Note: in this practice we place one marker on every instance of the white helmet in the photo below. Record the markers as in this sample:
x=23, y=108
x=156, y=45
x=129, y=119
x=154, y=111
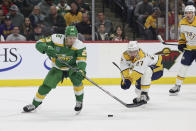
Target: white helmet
x=189, y=8
x=132, y=46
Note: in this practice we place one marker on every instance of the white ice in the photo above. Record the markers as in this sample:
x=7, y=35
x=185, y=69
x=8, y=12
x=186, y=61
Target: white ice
x=162, y=113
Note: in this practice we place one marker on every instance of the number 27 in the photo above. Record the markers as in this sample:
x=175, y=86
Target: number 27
x=139, y=63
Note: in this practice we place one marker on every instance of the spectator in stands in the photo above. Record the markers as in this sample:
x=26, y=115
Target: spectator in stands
x=63, y=7
x=84, y=7
x=7, y=27
x=107, y=23
x=85, y=27
x=118, y=35
x=20, y=4
x=6, y=6
x=55, y=22
x=36, y=17
x=16, y=17
x=2, y=17
x=190, y=2
x=130, y=5
x=32, y=3
x=142, y=10
x=44, y=6
x=2, y=38
x=16, y=36
x=29, y=6
x=26, y=29
x=37, y=33
x=151, y=25
x=74, y=16
x=101, y=35
x=81, y=37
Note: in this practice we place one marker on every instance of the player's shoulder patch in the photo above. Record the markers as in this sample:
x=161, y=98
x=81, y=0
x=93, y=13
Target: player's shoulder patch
x=126, y=56
x=78, y=45
x=58, y=39
x=45, y=39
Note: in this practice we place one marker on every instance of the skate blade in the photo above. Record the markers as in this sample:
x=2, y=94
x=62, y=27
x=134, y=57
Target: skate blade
x=29, y=111
x=173, y=94
x=77, y=112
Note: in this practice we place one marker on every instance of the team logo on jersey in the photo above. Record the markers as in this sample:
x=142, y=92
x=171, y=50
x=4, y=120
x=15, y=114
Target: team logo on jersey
x=169, y=57
x=190, y=35
x=64, y=57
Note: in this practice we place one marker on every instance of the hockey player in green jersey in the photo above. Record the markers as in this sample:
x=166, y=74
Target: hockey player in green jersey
x=62, y=50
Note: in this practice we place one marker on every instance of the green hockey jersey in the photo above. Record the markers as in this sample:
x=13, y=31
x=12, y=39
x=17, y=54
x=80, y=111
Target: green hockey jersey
x=74, y=55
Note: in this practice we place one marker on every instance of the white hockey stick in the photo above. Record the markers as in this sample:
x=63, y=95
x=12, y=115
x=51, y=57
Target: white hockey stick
x=163, y=42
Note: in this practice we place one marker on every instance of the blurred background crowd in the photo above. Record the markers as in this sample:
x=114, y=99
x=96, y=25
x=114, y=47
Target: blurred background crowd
x=115, y=20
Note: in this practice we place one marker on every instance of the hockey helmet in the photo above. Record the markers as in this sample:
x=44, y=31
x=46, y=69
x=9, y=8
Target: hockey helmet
x=132, y=49
x=132, y=46
x=71, y=31
x=189, y=8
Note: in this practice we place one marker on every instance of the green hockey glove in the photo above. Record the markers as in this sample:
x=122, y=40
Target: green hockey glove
x=51, y=52
x=79, y=74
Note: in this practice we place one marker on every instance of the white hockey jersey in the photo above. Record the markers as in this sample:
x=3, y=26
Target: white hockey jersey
x=188, y=33
x=139, y=64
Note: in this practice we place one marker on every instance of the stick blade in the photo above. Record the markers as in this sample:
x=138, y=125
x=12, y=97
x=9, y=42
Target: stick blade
x=132, y=105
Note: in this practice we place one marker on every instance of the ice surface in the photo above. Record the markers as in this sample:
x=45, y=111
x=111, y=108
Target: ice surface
x=162, y=113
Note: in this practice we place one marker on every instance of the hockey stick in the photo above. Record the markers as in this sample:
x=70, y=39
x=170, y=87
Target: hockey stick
x=119, y=69
x=163, y=42
x=107, y=92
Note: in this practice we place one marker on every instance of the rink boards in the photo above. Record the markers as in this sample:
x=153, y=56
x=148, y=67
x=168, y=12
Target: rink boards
x=22, y=65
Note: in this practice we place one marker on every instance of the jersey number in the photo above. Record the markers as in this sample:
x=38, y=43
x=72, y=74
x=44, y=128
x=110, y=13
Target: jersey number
x=139, y=63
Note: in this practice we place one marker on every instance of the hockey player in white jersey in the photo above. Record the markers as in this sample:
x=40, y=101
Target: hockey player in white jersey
x=186, y=44
x=140, y=68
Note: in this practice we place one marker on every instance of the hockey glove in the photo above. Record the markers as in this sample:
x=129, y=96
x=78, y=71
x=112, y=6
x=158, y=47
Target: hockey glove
x=126, y=84
x=51, y=52
x=181, y=47
x=78, y=74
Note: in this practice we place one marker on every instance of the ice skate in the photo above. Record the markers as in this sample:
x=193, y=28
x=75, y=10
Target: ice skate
x=78, y=106
x=175, y=90
x=142, y=99
x=29, y=108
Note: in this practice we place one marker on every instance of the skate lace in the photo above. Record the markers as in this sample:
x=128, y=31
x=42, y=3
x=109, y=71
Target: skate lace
x=30, y=106
x=176, y=87
x=78, y=104
x=143, y=97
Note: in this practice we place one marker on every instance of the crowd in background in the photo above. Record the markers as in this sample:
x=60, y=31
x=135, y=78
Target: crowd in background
x=30, y=20
x=147, y=17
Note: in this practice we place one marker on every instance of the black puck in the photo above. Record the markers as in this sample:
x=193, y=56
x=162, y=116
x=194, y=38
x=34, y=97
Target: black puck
x=110, y=115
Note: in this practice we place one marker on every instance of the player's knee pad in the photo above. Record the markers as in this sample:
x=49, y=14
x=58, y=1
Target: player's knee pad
x=76, y=82
x=44, y=89
x=183, y=70
x=146, y=78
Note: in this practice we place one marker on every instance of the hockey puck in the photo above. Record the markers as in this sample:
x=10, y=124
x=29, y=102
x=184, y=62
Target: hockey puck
x=110, y=115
